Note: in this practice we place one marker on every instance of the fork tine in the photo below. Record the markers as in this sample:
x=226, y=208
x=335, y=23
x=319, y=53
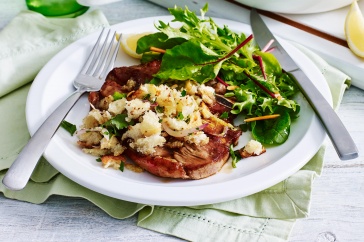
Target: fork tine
x=93, y=52
x=104, y=57
x=110, y=64
x=97, y=57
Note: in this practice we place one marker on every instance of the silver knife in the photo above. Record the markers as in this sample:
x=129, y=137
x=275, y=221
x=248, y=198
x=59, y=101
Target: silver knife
x=340, y=137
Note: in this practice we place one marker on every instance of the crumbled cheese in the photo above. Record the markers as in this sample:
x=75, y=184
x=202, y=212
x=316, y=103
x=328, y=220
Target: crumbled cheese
x=150, y=124
x=175, y=124
x=96, y=151
x=112, y=161
x=90, y=138
x=89, y=122
x=133, y=132
x=105, y=133
x=148, y=89
x=207, y=93
x=105, y=102
x=170, y=98
x=198, y=138
x=108, y=143
x=118, y=149
x=254, y=147
x=166, y=100
x=145, y=135
x=191, y=88
x=117, y=107
x=136, y=108
x=186, y=105
x=100, y=116
x=146, y=145
x=195, y=119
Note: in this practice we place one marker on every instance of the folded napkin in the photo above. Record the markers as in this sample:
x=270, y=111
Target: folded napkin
x=30, y=40
x=268, y=215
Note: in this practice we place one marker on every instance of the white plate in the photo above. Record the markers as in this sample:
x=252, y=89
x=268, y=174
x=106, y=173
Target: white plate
x=54, y=83
x=296, y=6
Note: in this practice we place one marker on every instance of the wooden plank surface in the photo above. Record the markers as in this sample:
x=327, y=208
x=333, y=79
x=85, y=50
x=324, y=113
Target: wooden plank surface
x=337, y=209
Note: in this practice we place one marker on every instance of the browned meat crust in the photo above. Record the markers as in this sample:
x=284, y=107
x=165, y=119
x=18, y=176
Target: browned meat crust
x=139, y=73
x=190, y=161
x=125, y=79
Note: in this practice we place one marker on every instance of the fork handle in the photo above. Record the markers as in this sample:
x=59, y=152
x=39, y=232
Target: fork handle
x=22, y=168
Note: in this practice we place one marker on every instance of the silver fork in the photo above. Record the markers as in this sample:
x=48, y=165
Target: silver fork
x=91, y=78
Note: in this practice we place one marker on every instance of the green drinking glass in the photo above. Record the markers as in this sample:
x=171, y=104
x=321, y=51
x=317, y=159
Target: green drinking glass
x=57, y=8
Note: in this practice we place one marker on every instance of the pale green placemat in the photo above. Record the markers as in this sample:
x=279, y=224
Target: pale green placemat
x=265, y=216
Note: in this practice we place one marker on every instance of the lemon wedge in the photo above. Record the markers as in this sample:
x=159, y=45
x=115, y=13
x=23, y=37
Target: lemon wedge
x=129, y=43
x=354, y=29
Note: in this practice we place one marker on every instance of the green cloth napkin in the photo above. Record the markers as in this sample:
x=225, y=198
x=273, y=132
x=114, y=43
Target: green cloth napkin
x=30, y=40
x=268, y=215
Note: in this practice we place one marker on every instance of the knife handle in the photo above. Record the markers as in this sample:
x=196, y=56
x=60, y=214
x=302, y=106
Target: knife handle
x=340, y=137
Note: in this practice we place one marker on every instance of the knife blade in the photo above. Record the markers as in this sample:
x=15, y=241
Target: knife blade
x=340, y=137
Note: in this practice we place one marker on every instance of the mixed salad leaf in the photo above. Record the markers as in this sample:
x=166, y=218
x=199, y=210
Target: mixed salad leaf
x=69, y=127
x=117, y=123
x=200, y=50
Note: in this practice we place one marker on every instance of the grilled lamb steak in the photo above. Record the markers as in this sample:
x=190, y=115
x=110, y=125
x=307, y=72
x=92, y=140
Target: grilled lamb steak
x=190, y=161
x=186, y=161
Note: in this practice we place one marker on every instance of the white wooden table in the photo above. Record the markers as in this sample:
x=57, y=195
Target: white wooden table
x=337, y=210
